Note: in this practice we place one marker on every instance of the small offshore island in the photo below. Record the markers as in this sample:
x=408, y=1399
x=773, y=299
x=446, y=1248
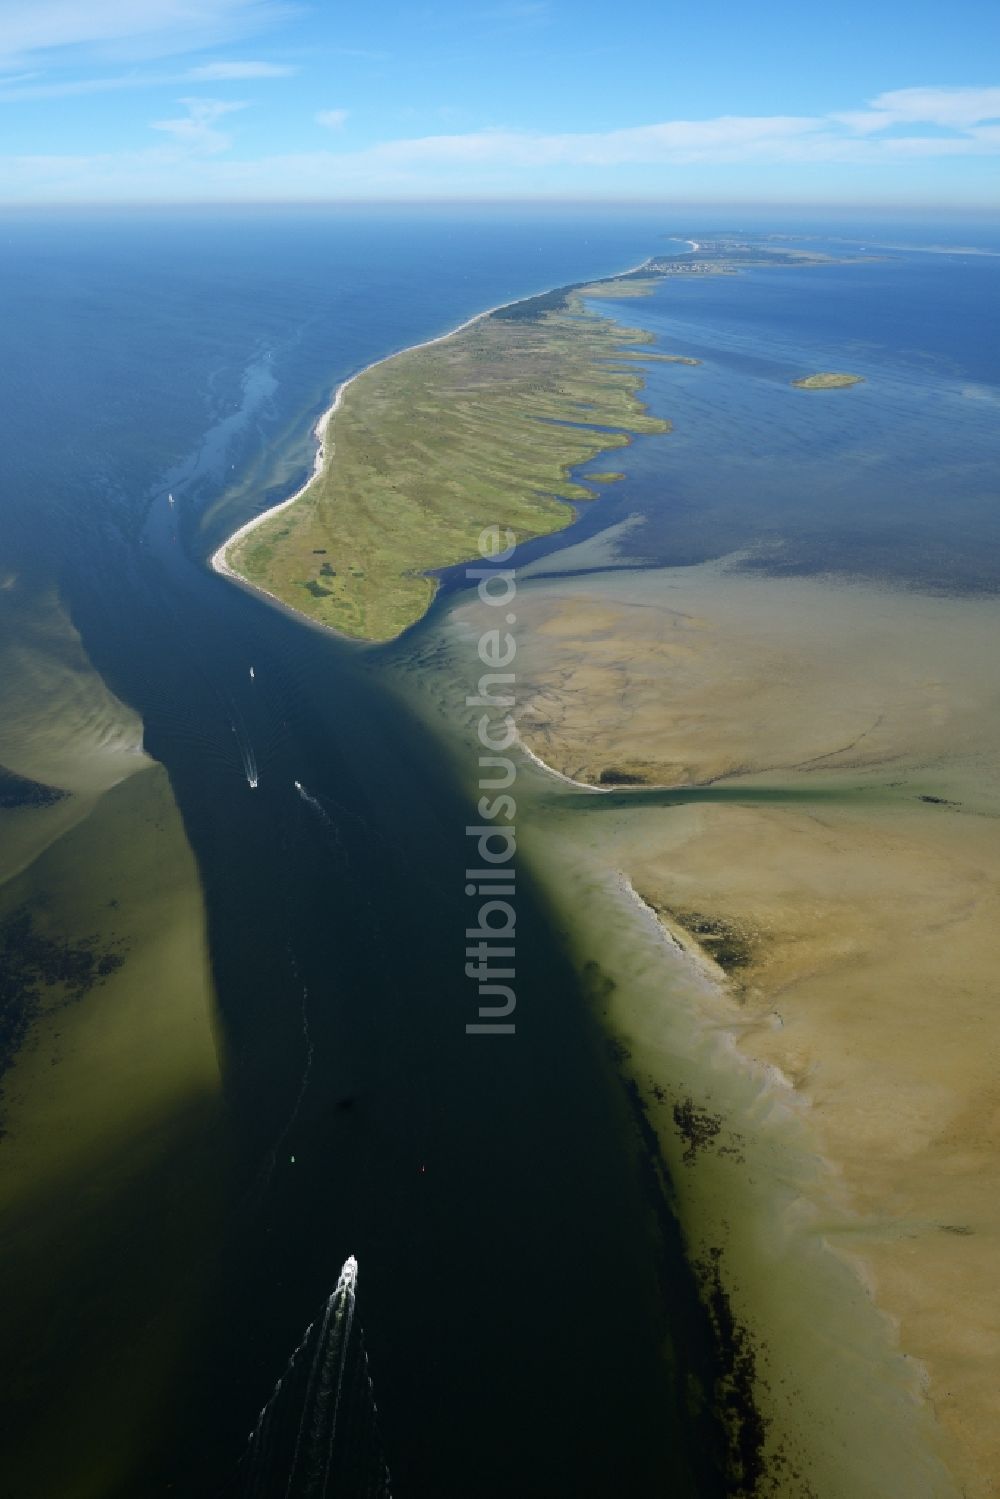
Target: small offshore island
x=828, y=382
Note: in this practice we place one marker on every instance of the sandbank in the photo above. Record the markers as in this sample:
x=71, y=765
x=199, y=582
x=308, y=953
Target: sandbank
x=831, y=869
x=110, y=1103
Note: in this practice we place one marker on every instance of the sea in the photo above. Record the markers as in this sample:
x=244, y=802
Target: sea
x=531, y=1324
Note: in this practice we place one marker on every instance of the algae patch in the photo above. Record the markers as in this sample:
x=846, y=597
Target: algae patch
x=40, y=974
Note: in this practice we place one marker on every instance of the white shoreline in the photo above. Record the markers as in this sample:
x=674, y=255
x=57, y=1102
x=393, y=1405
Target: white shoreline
x=560, y=775
x=551, y=770
x=218, y=561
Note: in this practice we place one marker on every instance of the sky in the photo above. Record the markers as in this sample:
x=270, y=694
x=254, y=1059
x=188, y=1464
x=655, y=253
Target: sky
x=885, y=102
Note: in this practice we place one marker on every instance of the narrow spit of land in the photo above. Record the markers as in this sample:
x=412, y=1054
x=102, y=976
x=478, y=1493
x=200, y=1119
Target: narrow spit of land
x=428, y=447
x=480, y=427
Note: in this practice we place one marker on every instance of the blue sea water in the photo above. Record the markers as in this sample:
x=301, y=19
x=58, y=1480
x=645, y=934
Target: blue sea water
x=165, y=349
x=189, y=352
x=897, y=479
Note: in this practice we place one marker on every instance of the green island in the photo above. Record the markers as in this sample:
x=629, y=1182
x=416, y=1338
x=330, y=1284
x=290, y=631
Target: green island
x=426, y=449
x=482, y=427
x=827, y=382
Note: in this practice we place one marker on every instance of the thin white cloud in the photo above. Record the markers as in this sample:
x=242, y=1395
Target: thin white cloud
x=947, y=106
x=159, y=26
x=950, y=108
x=195, y=131
x=728, y=138
x=970, y=113
x=17, y=88
x=333, y=119
x=216, y=72
x=68, y=88
x=942, y=125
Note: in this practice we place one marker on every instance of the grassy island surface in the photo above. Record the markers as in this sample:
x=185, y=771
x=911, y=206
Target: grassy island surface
x=430, y=446
x=827, y=382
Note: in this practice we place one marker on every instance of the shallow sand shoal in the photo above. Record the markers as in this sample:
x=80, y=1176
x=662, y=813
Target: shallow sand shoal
x=690, y=675
x=113, y=1138
x=853, y=904
x=59, y=724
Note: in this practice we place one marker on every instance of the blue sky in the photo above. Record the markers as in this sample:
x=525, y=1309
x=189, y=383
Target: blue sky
x=881, y=102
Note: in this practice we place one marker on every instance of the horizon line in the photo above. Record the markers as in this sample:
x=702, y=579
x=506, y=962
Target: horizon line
x=537, y=200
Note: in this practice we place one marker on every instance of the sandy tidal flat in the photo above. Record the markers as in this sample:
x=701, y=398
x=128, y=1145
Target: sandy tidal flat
x=110, y=1101
x=839, y=886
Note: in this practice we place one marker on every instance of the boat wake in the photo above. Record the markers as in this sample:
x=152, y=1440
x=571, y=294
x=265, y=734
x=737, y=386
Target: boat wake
x=317, y=1436
x=246, y=753
x=311, y=801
